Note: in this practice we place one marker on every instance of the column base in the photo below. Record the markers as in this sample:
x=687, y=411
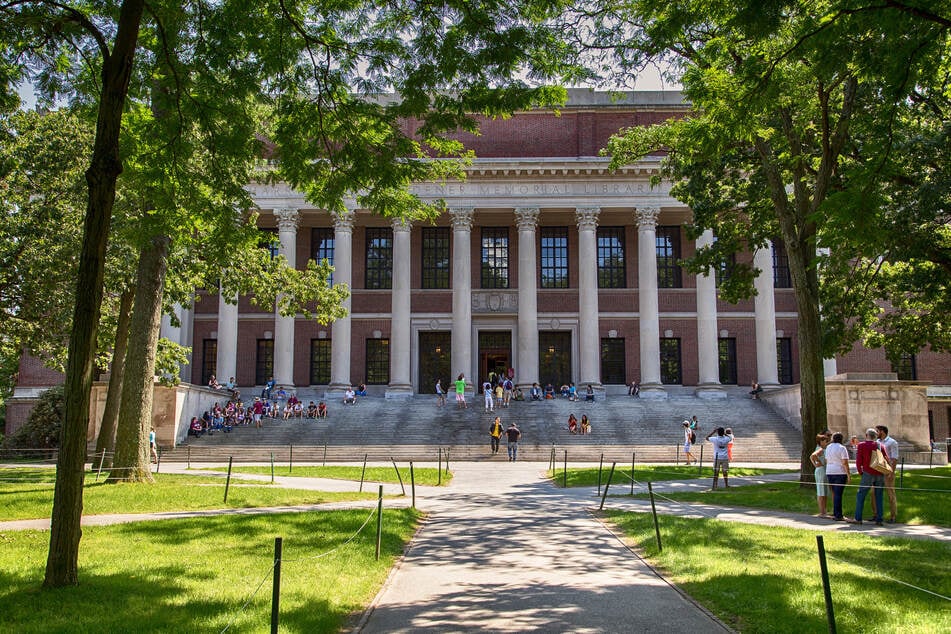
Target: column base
x=399, y=391
x=336, y=390
x=653, y=391
x=710, y=391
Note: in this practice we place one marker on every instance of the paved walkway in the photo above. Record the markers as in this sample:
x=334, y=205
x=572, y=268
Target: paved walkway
x=502, y=550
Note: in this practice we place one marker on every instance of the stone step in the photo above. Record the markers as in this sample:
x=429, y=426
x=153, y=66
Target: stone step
x=413, y=428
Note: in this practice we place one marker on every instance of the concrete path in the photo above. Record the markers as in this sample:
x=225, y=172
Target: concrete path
x=505, y=551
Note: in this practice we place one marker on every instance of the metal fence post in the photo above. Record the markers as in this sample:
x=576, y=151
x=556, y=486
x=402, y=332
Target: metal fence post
x=606, y=486
x=826, y=588
x=364, y=472
x=276, y=589
x=650, y=491
x=228, y=480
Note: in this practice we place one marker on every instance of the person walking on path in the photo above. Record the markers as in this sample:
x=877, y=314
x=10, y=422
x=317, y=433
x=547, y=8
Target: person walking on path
x=153, y=454
x=513, y=435
x=495, y=432
x=461, y=391
x=871, y=477
x=890, y=445
x=721, y=455
x=440, y=394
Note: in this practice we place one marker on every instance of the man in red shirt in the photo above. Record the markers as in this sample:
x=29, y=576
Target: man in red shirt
x=870, y=477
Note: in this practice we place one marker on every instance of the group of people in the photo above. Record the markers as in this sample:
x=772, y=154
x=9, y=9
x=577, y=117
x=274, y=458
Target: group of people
x=512, y=435
x=875, y=461
x=235, y=413
x=575, y=427
x=499, y=391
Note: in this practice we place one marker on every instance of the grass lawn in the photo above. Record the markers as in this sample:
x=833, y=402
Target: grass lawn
x=588, y=476
x=925, y=498
x=767, y=579
x=195, y=575
x=424, y=476
x=28, y=494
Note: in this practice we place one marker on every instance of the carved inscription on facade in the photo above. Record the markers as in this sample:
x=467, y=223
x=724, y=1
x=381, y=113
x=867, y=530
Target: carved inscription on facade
x=495, y=302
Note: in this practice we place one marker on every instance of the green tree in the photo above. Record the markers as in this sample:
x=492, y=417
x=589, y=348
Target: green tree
x=783, y=94
x=320, y=66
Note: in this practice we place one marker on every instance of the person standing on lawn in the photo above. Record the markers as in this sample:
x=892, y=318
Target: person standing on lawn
x=721, y=455
x=890, y=445
x=871, y=478
x=818, y=459
x=838, y=473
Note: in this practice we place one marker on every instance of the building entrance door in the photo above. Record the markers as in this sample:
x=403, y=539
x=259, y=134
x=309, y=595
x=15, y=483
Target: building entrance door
x=495, y=355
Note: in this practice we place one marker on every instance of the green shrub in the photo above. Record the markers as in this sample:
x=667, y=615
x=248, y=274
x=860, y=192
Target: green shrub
x=42, y=428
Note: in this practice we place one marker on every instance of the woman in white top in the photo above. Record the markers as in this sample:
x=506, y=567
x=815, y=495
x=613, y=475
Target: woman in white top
x=837, y=472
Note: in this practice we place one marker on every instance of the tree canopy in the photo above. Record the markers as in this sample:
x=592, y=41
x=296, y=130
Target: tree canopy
x=800, y=132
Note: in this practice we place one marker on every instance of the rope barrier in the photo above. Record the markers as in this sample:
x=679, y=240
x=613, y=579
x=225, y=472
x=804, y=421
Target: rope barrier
x=337, y=547
x=865, y=570
x=248, y=602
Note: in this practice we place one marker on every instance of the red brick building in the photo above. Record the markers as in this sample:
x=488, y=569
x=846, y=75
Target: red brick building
x=546, y=263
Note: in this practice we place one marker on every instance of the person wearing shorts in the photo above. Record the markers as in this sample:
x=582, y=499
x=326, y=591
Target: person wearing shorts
x=721, y=456
x=461, y=391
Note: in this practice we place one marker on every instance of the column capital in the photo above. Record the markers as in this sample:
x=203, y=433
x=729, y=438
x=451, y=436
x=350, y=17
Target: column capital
x=461, y=218
x=287, y=218
x=344, y=222
x=587, y=218
x=526, y=218
x=401, y=225
x=646, y=217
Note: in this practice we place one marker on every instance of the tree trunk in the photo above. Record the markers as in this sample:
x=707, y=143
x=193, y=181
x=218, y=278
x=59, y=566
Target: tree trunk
x=62, y=563
x=132, y=457
x=106, y=442
x=812, y=387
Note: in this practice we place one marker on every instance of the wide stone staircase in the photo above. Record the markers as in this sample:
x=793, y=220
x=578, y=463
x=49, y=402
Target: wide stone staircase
x=416, y=429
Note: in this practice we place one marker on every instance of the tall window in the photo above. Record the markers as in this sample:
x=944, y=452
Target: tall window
x=669, y=274
x=319, y=361
x=435, y=257
x=611, y=269
x=264, y=361
x=554, y=255
x=379, y=257
x=907, y=368
x=781, y=276
x=554, y=357
x=612, y=361
x=727, y=346
x=784, y=360
x=495, y=257
x=378, y=361
x=322, y=246
x=270, y=242
x=670, y=369
x=209, y=359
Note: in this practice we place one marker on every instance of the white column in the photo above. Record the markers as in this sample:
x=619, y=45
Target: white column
x=651, y=386
x=589, y=331
x=708, y=352
x=828, y=365
x=764, y=308
x=462, y=293
x=287, y=220
x=187, y=319
x=340, y=333
x=526, y=358
x=179, y=334
x=400, y=385
x=226, y=363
